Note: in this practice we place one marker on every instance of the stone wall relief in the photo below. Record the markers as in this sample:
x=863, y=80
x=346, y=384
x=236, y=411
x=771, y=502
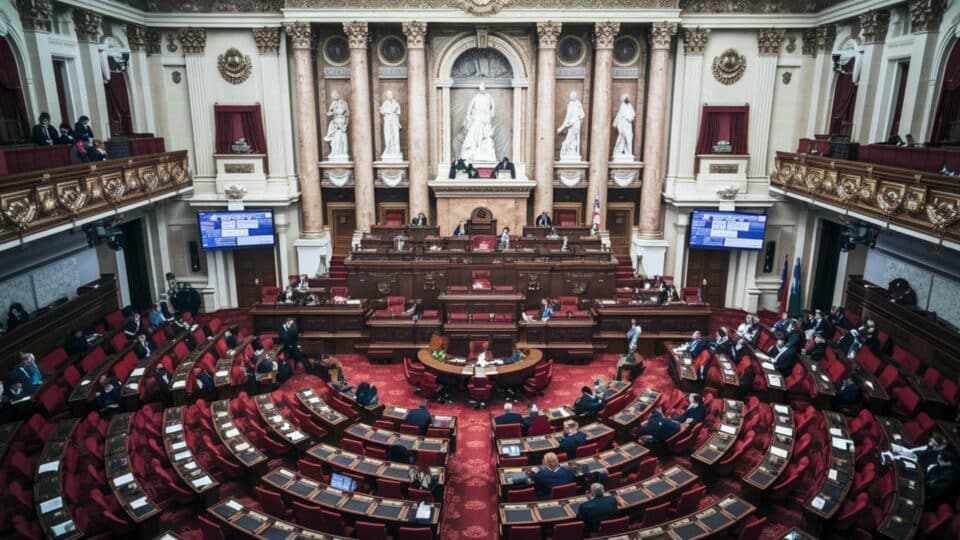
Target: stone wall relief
x=728, y=68
x=234, y=66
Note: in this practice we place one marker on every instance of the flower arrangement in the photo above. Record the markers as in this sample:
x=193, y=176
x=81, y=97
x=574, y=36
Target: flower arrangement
x=722, y=147
x=438, y=355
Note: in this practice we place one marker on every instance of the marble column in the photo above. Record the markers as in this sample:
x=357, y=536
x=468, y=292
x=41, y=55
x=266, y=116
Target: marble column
x=661, y=35
x=694, y=42
x=361, y=132
x=418, y=149
x=768, y=45
x=41, y=92
x=193, y=42
x=268, y=45
x=139, y=71
x=925, y=16
x=311, y=201
x=87, y=25
x=605, y=34
x=546, y=122
x=873, y=32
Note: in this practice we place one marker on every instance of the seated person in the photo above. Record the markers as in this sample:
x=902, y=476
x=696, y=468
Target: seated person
x=546, y=310
x=66, y=134
x=205, y=384
x=572, y=439
x=822, y=325
x=696, y=345
x=941, y=480
x=264, y=365
x=415, y=311
x=367, y=395
x=419, y=417
x=457, y=167
x=722, y=345
x=97, y=152
x=848, y=393
x=599, y=508
x=532, y=412
x=163, y=380
x=782, y=323
x=143, y=347
x=16, y=315
x=79, y=154
x=838, y=316
x=230, y=339
x=77, y=343
x=694, y=412
x=748, y=332
x=817, y=351
x=156, y=316
x=782, y=356
x=543, y=220
x=507, y=167
x=924, y=456
x=133, y=326
x=857, y=338
x=668, y=294
x=15, y=392
x=44, y=134
x=420, y=220
x=303, y=283
x=658, y=428
x=588, y=402
x=795, y=337
x=508, y=416
x=27, y=373
x=515, y=356
x=108, y=397
x=550, y=475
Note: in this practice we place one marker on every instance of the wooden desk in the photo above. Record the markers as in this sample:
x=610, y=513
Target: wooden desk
x=658, y=323
x=282, y=427
x=413, y=233
x=126, y=488
x=181, y=457
x=825, y=387
x=572, y=336
x=234, y=440
x=334, y=420
x=86, y=389
x=877, y=398
x=384, y=438
x=776, y=458
x=178, y=384
x=324, y=329
x=253, y=523
x=394, y=338
x=53, y=512
x=130, y=391
x=713, y=521
x=370, y=467
x=731, y=421
x=828, y=499
x=681, y=367
x=728, y=375
x=536, y=446
x=902, y=519
x=629, y=498
x=776, y=382
x=221, y=376
x=631, y=415
x=624, y=457
x=437, y=421
x=507, y=374
x=365, y=507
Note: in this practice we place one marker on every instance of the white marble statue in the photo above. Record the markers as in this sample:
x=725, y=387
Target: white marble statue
x=390, y=110
x=339, y=115
x=478, y=125
x=570, y=149
x=623, y=123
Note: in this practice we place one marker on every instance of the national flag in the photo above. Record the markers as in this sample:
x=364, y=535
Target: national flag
x=796, y=303
x=784, y=291
x=596, y=214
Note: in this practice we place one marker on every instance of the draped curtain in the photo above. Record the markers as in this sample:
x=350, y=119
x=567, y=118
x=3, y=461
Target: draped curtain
x=844, y=96
x=14, y=124
x=724, y=123
x=118, y=105
x=240, y=121
x=948, y=108
x=903, y=68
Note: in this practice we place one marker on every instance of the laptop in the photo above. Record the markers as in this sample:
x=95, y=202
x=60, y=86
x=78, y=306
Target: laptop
x=342, y=482
x=511, y=450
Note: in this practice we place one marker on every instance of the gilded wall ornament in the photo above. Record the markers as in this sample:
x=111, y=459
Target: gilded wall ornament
x=769, y=41
x=172, y=44
x=605, y=33
x=548, y=33
x=20, y=212
x=358, y=34
x=942, y=216
x=661, y=34
x=234, y=66
x=194, y=40
x=299, y=33
x=729, y=67
x=136, y=37
x=36, y=14
x=874, y=25
x=826, y=35
x=809, y=42
x=87, y=24
x=267, y=40
x=695, y=40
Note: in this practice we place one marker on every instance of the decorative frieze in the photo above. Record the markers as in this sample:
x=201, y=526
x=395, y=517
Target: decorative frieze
x=358, y=34
x=549, y=33
x=193, y=40
x=605, y=33
x=416, y=33
x=874, y=25
x=809, y=45
x=695, y=40
x=267, y=40
x=826, y=35
x=661, y=34
x=300, y=34
x=769, y=41
x=86, y=24
x=925, y=15
x=136, y=37
x=35, y=14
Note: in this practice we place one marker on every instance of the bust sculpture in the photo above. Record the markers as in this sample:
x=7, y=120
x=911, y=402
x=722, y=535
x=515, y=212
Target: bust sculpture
x=478, y=127
x=570, y=149
x=390, y=110
x=623, y=123
x=339, y=115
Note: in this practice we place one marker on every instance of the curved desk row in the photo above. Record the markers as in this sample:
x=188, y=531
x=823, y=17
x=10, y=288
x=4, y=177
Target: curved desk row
x=371, y=467
x=385, y=438
x=48, y=496
x=254, y=523
x=710, y=522
x=828, y=499
x=631, y=415
x=777, y=457
x=623, y=457
x=731, y=421
x=182, y=459
x=902, y=520
x=131, y=495
x=233, y=438
x=514, y=373
x=540, y=444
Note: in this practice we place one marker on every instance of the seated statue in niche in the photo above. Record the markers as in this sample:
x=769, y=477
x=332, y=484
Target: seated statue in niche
x=478, y=127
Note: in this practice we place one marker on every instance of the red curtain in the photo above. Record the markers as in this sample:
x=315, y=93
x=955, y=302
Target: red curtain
x=118, y=105
x=14, y=124
x=948, y=108
x=724, y=123
x=236, y=121
x=844, y=96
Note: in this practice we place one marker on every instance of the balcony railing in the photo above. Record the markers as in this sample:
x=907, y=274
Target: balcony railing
x=38, y=200
x=925, y=202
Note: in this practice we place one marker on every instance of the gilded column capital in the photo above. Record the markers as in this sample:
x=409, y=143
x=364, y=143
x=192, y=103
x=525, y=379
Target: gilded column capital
x=809, y=45
x=358, y=34
x=695, y=40
x=826, y=35
x=301, y=36
x=267, y=39
x=925, y=15
x=87, y=24
x=769, y=41
x=604, y=34
x=136, y=37
x=152, y=40
x=416, y=33
x=35, y=14
x=549, y=33
x=874, y=25
x=661, y=34
x=194, y=40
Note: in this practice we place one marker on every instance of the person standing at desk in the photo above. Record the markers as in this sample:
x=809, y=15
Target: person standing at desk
x=505, y=239
x=419, y=417
x=289, y=335
x=600, y=507
x=550, y=475
x=633, y=336
x=572, y=439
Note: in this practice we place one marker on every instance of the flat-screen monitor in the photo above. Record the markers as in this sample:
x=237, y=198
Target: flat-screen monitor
x=236, y=230
x=342, y=482
x=712, y=229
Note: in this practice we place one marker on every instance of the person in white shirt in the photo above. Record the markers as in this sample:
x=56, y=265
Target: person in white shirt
x=925, y=455
x=505, y=238
x=633, y=334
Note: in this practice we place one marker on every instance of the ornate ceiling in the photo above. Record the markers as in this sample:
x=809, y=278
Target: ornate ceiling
x=485, y=7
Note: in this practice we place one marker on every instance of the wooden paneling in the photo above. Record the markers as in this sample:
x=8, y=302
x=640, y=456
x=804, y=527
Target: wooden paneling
x=713, y=266
x=250, y=265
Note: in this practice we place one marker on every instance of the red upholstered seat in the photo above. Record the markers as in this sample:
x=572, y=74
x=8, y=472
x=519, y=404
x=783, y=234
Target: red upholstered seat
x=568, y=531
x=905, y=401
x=390, y=489
x=521, y=495
x=371, y=531
x=480, y=389
x=52, y=360
x=906, y=359
x=690, y=501
x=539, y=425
x=507, y=431
x=753, y=529
x=524, y=532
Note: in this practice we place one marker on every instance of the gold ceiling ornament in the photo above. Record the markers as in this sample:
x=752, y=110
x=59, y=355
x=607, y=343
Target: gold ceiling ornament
x=814, y=180
x=852, y=189
x=415, y=32
x=234, y=66
x=113, y=188
x=481, y=8
x=925, y=15
x=695, y=40
x=605, y=33
x=194, y=40
x=267, y=39
x=729, y=67
x=548, y=33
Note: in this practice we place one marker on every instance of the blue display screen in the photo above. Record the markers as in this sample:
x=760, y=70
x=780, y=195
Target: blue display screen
x=236, y=230
x=727, y=230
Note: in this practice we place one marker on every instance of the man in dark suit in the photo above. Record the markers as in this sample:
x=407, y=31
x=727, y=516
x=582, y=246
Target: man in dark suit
x=588, y=402
x=823, y=326
x=77, y=343
x=108, y=398
x=508, y=416
x=658, y=428
x=205, y=384
x=782, y=356
x=818, y=350
x=143, y=347
x=289, y=334
x=696, y=345
x=838, y=316
x=941, y=480
x=163, y=379
x=82, y=130
x=133, y=326
x=572, y=439
x=419, y=417
x=543, y=220
x=600, y=507
x=694, y=412
x=551, y=475
x=420, y=220
x=848, y=393
x=44, y=134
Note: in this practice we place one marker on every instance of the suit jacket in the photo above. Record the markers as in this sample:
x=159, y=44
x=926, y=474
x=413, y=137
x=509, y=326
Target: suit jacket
x=660, y=427
x=817, y=352
x=144, y=350
x=77, y=345
x=587, y=404
x=941, y=482
x=164, y=381
x=41, y=135
x=848, y=394
x=543, y=221
x=723, y=346
x=927, y=456
x=82, y=132
x=570, y=443
x=695, y=413
x=419, y=221
x=508, y=418
x=825, y=328
x=783, y=359
x=795, y=340
x=206, y=380
x=596, y=510
x=696, y=346
x=544, y=480
x=132, y=328
x=419, y=417
x=289, y=336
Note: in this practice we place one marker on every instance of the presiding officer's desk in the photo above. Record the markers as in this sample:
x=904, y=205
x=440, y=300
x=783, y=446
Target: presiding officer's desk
x=572, y=335
x=253, y=523
x=338, y=458
x=534, y=447
x=505, y=374
x=630, y=499
x=777, y=457
x=713, y=521
x=393, y=338
x=658, y=323
x=624, y=457
x=53, y=511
